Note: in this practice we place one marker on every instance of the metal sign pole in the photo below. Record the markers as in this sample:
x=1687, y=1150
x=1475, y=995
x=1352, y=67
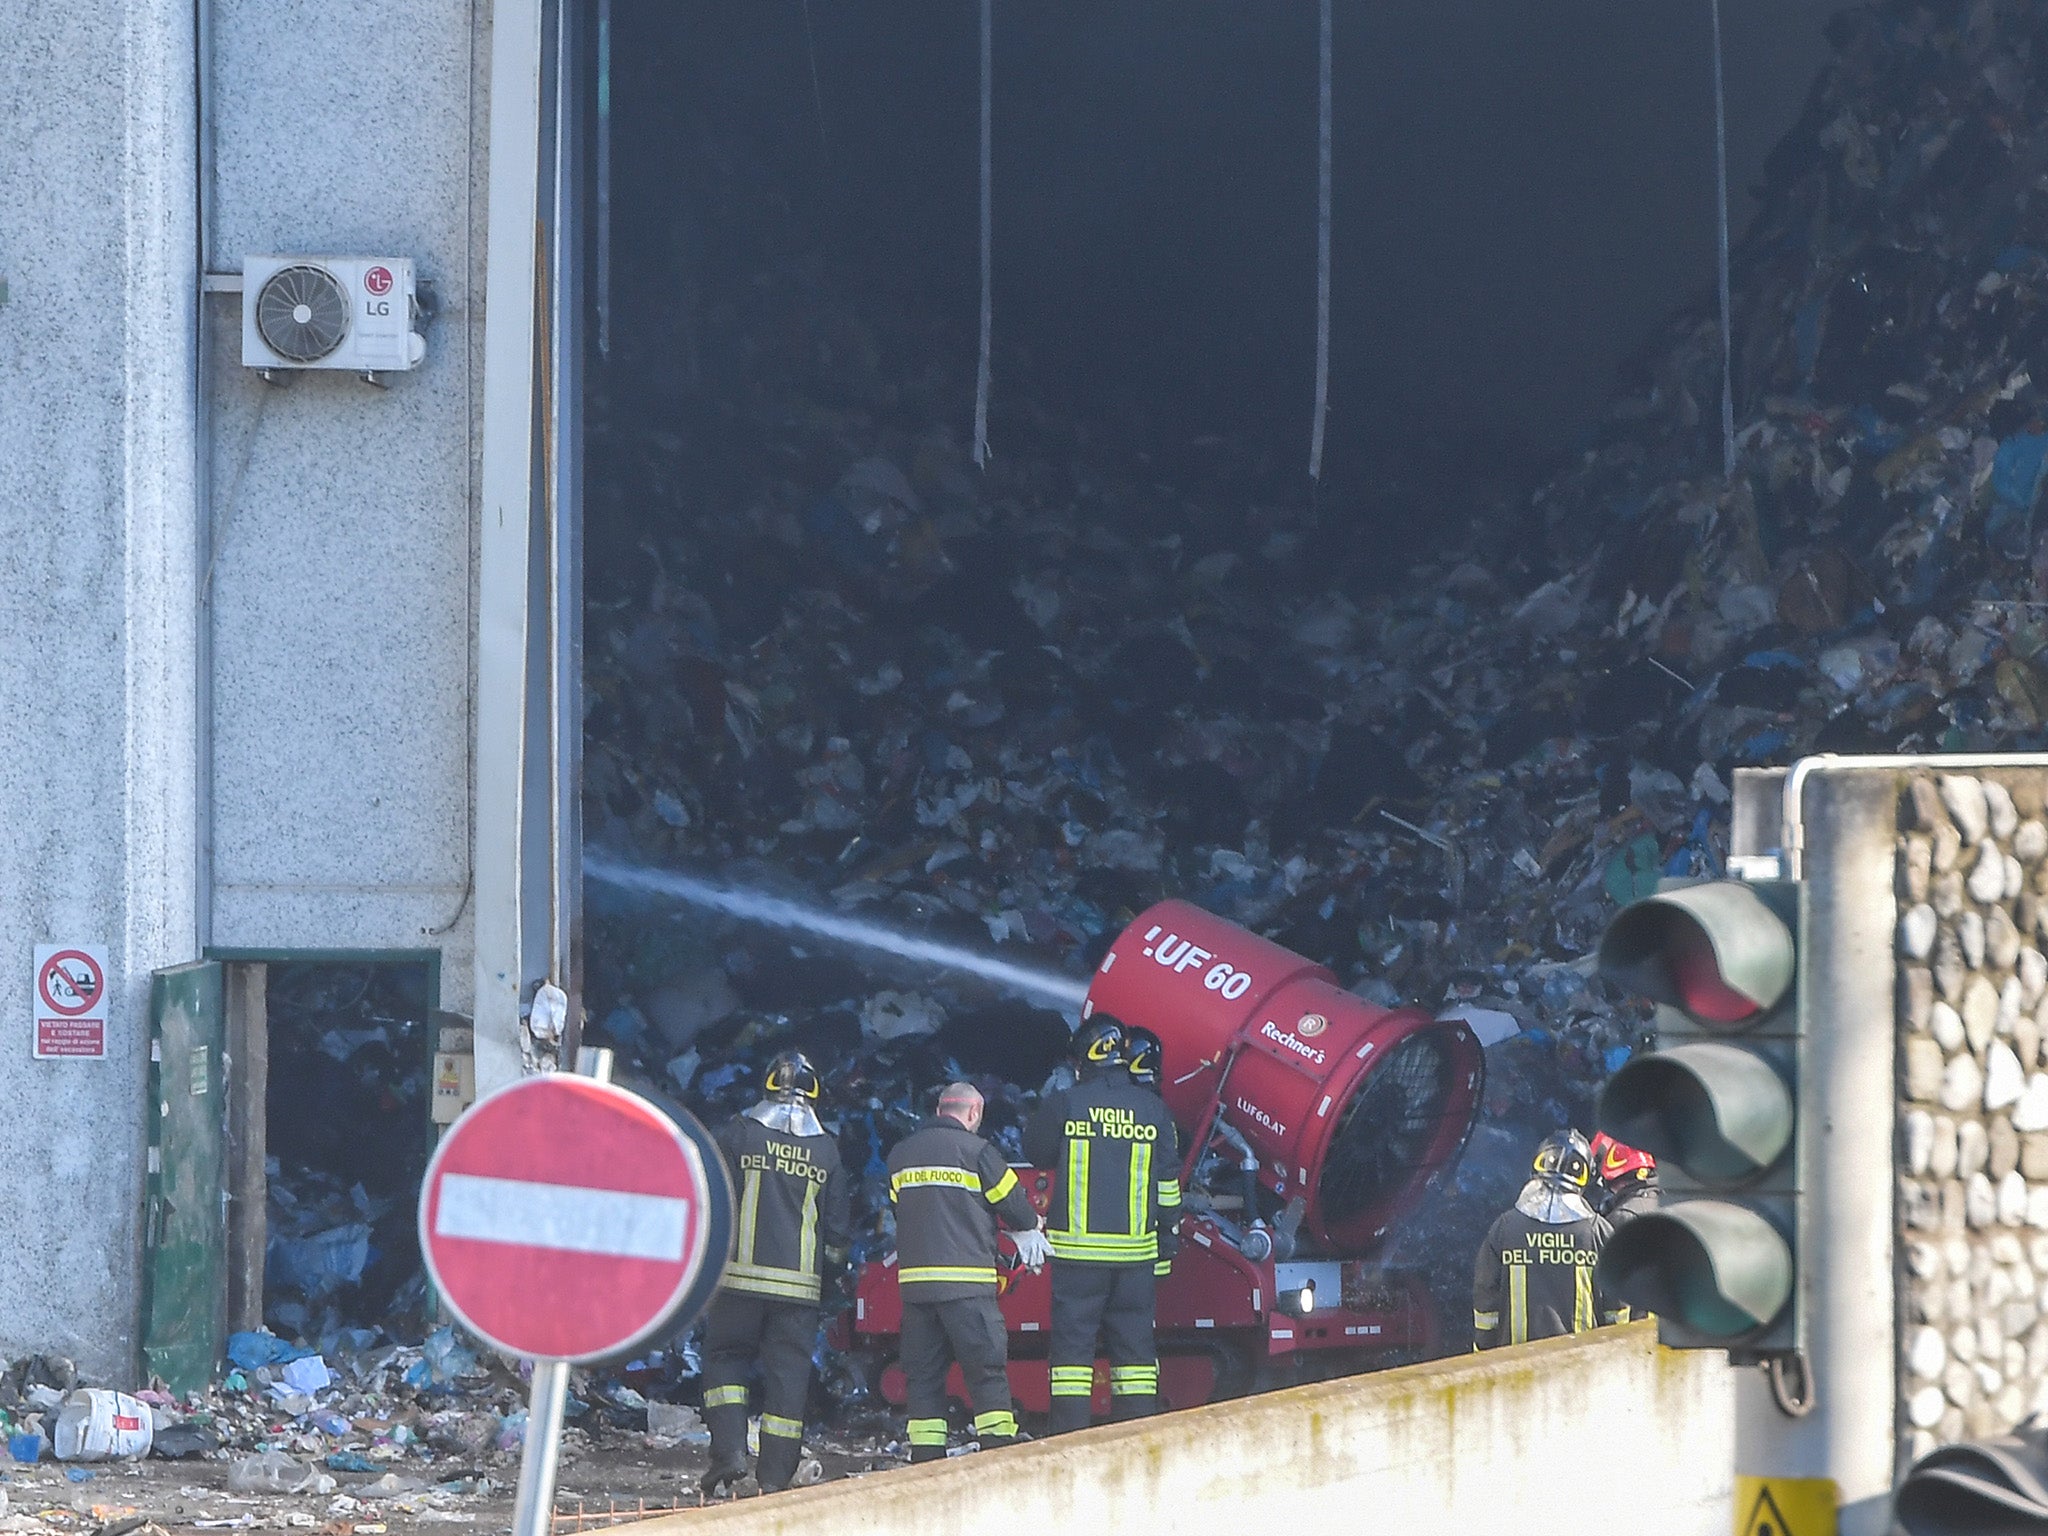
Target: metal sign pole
x=535, y=1502
x=534, y=1505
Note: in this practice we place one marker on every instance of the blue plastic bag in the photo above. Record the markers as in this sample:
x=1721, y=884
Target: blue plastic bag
x=251, y=1351
x=324, y=1262
x=2016, y=475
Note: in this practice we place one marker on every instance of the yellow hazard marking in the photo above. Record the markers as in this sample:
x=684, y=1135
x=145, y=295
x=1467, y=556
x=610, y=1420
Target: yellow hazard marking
x=1785, y=1506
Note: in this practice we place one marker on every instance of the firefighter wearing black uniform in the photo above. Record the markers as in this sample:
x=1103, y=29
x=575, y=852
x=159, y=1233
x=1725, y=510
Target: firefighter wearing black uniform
x=950, y=1189
x=1115, y=1208
x=1627, y=1179
x=1141, y=1056
x=792, y=1219
x=1534, y=1276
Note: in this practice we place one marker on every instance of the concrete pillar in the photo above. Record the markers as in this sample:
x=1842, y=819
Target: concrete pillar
x=96, y=624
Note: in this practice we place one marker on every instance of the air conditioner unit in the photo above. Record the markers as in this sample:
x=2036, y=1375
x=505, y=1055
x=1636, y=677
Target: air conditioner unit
x=348, y=312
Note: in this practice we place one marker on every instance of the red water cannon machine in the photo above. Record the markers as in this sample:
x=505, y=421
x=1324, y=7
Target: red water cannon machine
x=1311, y=1120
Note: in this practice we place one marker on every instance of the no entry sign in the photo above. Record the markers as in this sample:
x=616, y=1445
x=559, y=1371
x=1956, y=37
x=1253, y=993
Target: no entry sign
x=563, y=1218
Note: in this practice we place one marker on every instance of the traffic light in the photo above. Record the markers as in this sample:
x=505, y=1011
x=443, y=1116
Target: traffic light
x=1717, y=1106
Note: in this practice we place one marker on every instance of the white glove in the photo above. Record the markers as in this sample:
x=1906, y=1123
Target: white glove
x=1032, y=1248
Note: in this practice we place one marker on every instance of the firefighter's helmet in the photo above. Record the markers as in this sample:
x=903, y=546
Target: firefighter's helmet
x=1141, y=1058
x=1565, y=1161
x=792, y=1079
x=1619, y=1166
x=1099, y=1042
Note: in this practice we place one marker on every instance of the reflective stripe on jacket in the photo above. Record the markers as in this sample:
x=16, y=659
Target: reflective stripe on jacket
x=1534, y=1280
x=950, y=1189
x=1117, y=1157
x=793, y=1199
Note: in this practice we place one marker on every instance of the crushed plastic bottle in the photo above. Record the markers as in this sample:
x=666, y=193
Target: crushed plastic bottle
x=269, y=1471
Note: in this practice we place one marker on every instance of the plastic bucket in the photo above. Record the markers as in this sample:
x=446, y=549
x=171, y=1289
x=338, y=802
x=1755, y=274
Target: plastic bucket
x=95, y=1425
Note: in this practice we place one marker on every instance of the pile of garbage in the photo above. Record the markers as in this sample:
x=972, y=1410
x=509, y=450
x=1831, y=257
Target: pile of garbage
x=1872, y=577
x=347, y=1121
x=829, y=656
x=369, y=1430
x=286, y=1416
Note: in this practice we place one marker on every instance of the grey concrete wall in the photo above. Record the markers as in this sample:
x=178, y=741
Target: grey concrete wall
x=96, y=630
x=1477, y=1444
x=336, y=587
x=342, y=549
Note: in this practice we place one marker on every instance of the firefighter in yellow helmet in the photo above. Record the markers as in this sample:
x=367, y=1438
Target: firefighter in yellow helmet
x=1115, y=1215
x=791, y=1225
x=1534, y=1276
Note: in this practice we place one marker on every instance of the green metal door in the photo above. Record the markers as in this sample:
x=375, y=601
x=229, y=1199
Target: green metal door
x=184, y=1222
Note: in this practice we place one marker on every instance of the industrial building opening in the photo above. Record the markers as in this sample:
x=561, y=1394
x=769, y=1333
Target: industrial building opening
x=346, y=1143
x=1044, y=460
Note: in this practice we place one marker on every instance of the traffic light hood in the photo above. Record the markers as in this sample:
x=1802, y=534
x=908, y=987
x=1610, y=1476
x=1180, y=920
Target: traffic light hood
x=1720, y=1269
x=1719, y=1112
x=1716, y=952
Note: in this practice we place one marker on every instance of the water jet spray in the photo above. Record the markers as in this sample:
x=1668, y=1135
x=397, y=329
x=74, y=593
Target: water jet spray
x=1065, y=993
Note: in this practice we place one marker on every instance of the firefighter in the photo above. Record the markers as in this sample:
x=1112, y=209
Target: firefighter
x=1113, y=1221
x=1534, y=1276
x=951, y=1189
x=792, y=1219
x=1141, y=1059
x=1627, y=1177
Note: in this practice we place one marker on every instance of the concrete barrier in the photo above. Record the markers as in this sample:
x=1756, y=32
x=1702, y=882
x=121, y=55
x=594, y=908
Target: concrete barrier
x=1601, y=1433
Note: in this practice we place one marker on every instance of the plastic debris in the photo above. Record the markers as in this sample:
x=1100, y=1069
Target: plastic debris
x=176, y=1442
x=97, y=1425
x=444, y=1360
x=676, y=1424
x=893, y=1015
x=308, y=1373
x=1490, y=1025
x=251, y=1350
x=269, y=1471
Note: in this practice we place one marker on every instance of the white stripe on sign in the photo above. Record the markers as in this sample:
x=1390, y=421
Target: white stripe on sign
x=565, y=1216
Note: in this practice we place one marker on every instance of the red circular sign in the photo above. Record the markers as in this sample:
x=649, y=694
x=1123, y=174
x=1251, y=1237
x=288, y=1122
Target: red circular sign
x=564, y=1218
x=70, y=983
x=378, y=280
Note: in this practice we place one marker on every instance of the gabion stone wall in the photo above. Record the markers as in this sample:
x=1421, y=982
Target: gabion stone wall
x=1972, y=887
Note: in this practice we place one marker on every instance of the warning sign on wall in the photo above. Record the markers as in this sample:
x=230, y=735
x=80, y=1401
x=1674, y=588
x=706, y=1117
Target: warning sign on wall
x=69, y=1001
x=1785, y=1506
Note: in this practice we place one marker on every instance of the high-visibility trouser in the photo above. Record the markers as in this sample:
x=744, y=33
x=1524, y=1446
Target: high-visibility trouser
x=1115, y=1300
x=747, y=1333
x=936, y=1334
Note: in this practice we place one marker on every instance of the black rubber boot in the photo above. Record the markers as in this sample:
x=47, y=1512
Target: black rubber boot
x=722, y=1476
x=776, y=1466
x=728, y=1425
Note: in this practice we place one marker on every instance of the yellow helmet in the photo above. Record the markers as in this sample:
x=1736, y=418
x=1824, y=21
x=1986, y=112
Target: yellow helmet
x=792, y=1077
x=1099, y=1042
x=1565, y=1161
